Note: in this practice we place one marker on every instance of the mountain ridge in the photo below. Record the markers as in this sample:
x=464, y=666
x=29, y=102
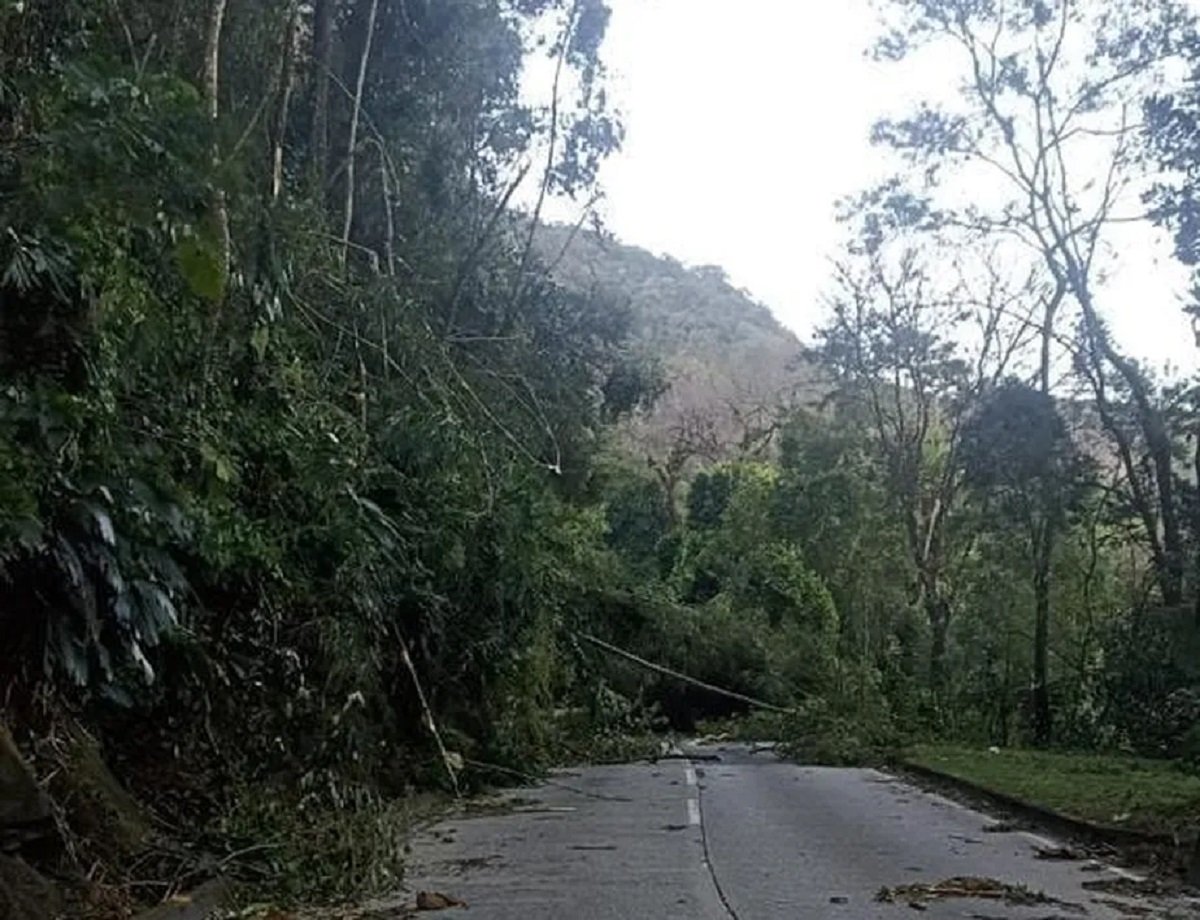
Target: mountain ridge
x=730, y=363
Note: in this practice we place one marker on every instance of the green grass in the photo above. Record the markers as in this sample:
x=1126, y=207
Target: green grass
x=1134, y=792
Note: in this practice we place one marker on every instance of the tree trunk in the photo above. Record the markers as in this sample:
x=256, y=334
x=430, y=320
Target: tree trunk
x=1043, y=550
x=668, y=480
x=1158, y=443
x=287, y=68
x=322, y=61
x=352, y=141
x=1042, y=547
x=938, y=612
x=212, y=87
x=1196, y=530
x=1006, y=700
x=1169, y=561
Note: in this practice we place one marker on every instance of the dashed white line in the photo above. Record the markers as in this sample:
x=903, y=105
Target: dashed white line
x=693, y=808
x=689, y=776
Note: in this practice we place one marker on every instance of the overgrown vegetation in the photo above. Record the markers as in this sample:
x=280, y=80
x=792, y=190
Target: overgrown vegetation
x=322, y=469
x=287, y=399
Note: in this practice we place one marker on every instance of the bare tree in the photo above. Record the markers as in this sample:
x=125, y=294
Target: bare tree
x=914, y=360
x=322, y=55
x=212, y=93
x=693, y=438
x=1047, y=118
x=287, y=79
x=355, y=114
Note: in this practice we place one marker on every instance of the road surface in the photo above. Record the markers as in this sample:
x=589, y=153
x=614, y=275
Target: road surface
x=732, y=832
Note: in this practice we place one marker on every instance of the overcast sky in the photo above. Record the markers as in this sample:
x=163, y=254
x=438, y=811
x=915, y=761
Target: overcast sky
x=746, y=122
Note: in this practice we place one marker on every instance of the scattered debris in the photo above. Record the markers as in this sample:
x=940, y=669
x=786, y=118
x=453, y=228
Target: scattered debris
x=435, y=900
x=1056, y=852
x=1132, y=887
x=963, y=886
x=999, y=827
x=543, y=809
x=473, y=863
x=964, y=838
x=761, y=746
x=1007, y=917
x=199, y=903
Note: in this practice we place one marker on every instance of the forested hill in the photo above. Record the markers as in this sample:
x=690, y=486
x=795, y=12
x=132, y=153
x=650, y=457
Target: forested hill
x=729, y=364
x=680, y=310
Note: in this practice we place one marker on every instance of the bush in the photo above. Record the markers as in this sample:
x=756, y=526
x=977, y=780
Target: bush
x=1149, y=688
x=854, y=725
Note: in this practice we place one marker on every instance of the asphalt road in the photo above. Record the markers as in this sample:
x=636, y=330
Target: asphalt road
x=748, y=836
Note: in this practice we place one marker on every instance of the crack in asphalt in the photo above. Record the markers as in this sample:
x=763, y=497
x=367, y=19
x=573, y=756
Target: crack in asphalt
x=708, y=863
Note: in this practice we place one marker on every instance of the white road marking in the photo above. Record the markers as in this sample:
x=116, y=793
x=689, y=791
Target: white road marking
x=1038, y=840
x=1125, y=874
x=689, y=776
x=693, y=811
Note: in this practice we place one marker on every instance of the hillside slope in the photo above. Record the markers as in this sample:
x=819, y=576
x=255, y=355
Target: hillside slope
x=728, y=361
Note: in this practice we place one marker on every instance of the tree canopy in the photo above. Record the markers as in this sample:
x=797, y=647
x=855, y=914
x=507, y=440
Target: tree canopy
x=326, y=473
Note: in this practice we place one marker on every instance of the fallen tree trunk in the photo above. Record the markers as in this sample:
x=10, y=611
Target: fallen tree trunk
x=660, y=669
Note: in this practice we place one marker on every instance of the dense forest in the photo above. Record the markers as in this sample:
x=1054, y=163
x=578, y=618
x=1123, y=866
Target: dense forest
x=328, y=475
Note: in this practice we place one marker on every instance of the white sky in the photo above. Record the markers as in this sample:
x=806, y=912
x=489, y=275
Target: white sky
x=747, y=121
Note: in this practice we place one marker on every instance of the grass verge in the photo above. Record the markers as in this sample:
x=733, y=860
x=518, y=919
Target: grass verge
x=1113, y=790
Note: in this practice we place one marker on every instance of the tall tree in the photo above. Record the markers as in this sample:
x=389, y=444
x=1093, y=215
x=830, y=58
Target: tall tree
x=1047, y=89
x=1017, y=451
x=894, y=343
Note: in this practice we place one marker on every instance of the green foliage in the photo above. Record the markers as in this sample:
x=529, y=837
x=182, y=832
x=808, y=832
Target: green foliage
x=638, y=520
x=852, y=725
x=708, y=497
x=1017, y=448
x=1148, y=688
x=1152, y=795
x=305, y=848
x=272, y=428
x=244, y=463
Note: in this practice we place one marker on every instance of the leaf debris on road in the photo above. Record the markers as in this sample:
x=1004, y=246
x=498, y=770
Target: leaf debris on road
x=1057, y=852
x=435, y=900
x=962, y=886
